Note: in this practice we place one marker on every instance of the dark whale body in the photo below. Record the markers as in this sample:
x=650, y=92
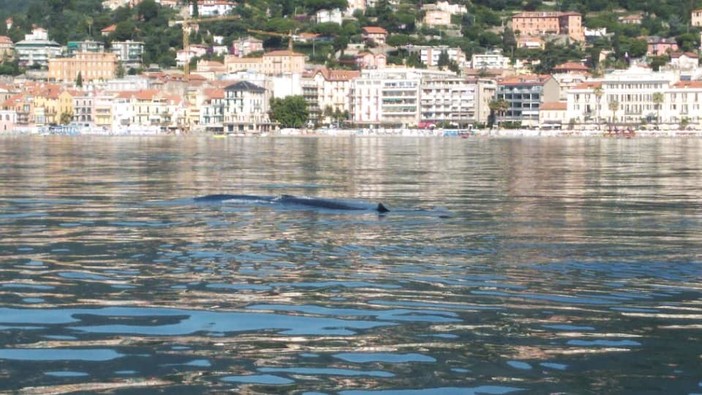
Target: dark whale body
x=293, y=201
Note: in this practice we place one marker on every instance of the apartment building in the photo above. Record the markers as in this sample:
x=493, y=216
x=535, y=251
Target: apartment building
x=130, y=53
x=448, y=100
x=271, y=63
x=333, y=89
x=429, y=55
x=73, y=47
x=621, y=97
x=390, y=97
x=524, y=95
x=682, y=102
x=535, y=23
x=90, y=65
x=491, y=60
x=83, y=106
x=246, y=108
x=7, y=47
x=37, y=49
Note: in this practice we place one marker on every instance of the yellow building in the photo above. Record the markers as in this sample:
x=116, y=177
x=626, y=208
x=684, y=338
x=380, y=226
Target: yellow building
x=90, y=65
x=272, y=63
x=50, y=104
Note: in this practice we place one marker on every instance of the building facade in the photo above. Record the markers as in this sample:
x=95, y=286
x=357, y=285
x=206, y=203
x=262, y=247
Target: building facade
x=271, y=63
x=246, y=108
x=129, y=53
x=535, y=23
x=524, y=95
x=90, y=66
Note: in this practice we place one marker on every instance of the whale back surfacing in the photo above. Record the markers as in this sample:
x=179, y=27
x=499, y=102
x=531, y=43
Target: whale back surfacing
x=290, y=200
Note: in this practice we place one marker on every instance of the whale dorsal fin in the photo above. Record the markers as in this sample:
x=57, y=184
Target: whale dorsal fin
x=381, y=208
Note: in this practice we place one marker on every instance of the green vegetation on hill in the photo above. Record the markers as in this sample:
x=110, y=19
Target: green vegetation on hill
x=484, y=27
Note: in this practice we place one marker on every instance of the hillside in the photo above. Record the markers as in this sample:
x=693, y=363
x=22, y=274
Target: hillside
x=484, y=27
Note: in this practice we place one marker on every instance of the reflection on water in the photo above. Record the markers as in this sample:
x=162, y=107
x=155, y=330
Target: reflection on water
x=568, y=266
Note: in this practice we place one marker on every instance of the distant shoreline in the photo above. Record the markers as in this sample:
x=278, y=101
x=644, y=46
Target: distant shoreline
x=472, y=134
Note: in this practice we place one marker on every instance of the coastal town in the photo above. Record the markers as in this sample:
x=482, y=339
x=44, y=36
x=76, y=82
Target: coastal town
x=87, y=87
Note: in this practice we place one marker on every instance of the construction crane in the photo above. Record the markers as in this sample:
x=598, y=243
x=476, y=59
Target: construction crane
x=290, y=36
x=187, y=28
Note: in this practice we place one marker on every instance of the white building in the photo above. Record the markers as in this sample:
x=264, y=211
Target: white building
x=389, y=96
x=37, y=49
x=354, y=5
x=448, y=100
x=492, y=60
x=246, y=108
x=212, y=7
x=429, y=55
x=621, y=97
x=128, y=83
x=682, y=102
x=329, y=91
x=553, y=115
x=454, y=9
x=329, y=16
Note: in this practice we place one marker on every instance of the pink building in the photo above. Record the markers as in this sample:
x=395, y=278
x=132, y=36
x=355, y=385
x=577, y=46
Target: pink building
x=8, y=120
x=660, y=46
x=540, y=23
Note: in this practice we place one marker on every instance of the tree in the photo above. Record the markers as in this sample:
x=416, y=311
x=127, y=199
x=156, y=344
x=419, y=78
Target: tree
x=289, y=112
x=147, y=10
x=66, y=118
x=497, y=108
x=79, y=80
x=598, y=91
x=443, y=60
x=614, y=107
x=196, y=12
x=658, y=99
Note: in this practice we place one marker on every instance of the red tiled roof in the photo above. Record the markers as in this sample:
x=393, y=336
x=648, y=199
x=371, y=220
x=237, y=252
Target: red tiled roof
x=553, y=106
x=572, y=66
x=688, y=84
x=530, y=79
x=589, y=85
x=109, y=29
x=374, y=30
x=214, y=93
x=338, y=75
x=283, y=52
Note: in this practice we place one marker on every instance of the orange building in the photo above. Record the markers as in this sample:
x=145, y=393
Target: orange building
x=90, y=65
x=537, y=23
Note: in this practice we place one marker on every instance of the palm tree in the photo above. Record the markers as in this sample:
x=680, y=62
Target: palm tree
x=658, y=99
x=498, y=108
x=614, y=106
x=598, y=94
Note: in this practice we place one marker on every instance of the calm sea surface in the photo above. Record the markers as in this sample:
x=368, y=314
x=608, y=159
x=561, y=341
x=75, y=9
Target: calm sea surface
x=568, y=266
